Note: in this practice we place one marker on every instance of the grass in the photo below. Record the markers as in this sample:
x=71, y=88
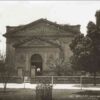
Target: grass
x=89, y=93
x=75, y=95
x=64, y=93
x=17, y=94
x=29, y=94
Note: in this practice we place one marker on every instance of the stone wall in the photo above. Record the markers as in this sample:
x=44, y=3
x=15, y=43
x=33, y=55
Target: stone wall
x=20, y=57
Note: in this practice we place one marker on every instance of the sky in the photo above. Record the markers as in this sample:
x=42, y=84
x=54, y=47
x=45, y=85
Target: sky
x=14, y=13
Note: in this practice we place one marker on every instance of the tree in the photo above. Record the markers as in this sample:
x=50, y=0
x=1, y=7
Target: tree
x=55, y=65
x=94, y=34
x=58, y=65
x=81, y=47
x=86, y=51
x=3, y=74
x=82, y=58
x=6, y=72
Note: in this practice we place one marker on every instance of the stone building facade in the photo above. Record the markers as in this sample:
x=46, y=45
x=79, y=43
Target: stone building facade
x=28, y=47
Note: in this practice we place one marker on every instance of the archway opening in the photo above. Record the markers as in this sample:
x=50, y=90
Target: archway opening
x=36, y=63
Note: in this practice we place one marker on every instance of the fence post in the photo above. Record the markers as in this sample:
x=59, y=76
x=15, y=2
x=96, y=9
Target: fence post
x=24, y=82
x=52, y=80
x=81, y=82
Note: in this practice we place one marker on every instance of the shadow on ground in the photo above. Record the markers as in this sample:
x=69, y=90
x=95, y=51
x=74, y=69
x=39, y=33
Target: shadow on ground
x=58, y=94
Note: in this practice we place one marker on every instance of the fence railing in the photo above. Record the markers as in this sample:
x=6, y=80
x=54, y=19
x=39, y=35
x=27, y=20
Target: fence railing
x=65, y=79
x=56, y=79
x=11, y=79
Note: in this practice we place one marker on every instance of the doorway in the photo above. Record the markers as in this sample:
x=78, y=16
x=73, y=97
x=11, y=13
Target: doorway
x=36, y=63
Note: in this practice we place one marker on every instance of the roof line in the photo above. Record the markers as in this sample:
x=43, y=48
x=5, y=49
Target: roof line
x=27, y=25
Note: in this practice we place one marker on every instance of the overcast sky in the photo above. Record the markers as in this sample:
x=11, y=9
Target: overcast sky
x=14, y=13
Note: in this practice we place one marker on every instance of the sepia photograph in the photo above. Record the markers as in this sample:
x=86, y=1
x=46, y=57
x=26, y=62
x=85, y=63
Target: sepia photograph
x=49, y=50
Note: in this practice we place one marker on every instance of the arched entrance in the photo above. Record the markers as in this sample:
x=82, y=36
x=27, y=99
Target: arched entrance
x=36, y=63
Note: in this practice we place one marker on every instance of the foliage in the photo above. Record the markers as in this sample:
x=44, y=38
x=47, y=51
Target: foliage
x=81, y=47
x=58, y=67
x=86, y=51
x=43, y=92
x=55, y=65
x=5, y=72
x=94, y=34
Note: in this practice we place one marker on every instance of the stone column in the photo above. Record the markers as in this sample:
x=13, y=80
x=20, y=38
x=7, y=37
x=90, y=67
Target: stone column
x=20, y=72
x=32, y=72
x=44, y=63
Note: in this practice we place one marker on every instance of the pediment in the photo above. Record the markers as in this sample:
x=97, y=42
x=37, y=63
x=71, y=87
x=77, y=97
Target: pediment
x=41, y=27
x=35, y=43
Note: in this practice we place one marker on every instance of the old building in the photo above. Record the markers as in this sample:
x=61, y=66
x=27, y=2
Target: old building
x=28, y=47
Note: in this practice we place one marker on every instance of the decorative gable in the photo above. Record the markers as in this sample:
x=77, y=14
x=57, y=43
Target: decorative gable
x=41, y=27
x=34, y=43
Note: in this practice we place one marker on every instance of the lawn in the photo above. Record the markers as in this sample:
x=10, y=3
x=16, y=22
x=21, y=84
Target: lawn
x=18, y=94
x=29, y=94
x=75, y=95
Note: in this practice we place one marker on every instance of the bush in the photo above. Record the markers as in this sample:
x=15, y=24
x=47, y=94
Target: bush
x=44, y=92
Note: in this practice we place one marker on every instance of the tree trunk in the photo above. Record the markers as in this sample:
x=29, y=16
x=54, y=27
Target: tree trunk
x=94, y=81
x=5, y=87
